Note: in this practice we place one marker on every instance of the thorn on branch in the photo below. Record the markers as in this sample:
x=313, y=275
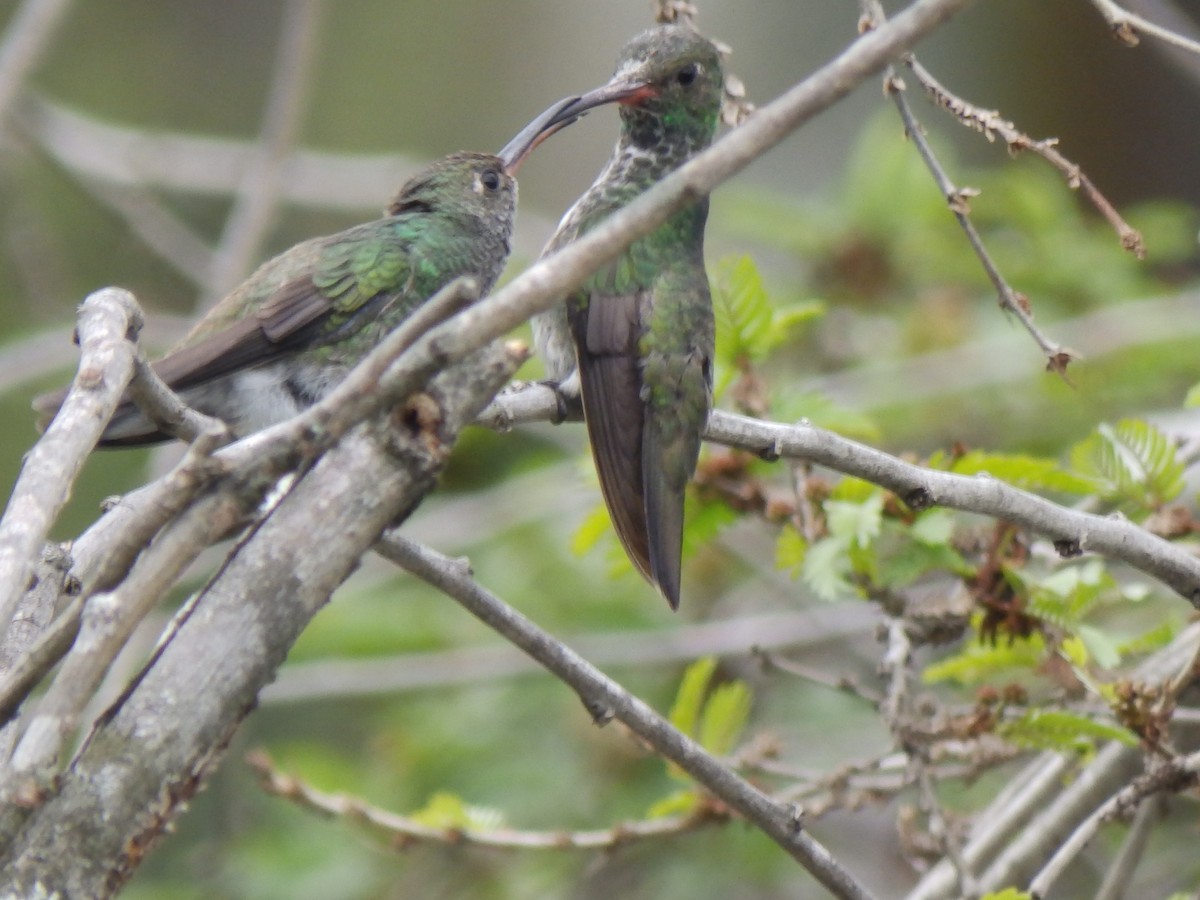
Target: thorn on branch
x=773, y=452
x=1068, y=548
x=918, y=499
x=601, y=713
x=1058, y=362
x=959, y=202
x=796, y=818
x=1125, y=33
x=672, y=11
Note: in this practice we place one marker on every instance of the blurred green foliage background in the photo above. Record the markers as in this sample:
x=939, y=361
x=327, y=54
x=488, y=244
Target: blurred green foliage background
x=904, y=347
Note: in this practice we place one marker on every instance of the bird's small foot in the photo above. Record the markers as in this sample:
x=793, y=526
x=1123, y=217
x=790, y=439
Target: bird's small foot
x=566, y=398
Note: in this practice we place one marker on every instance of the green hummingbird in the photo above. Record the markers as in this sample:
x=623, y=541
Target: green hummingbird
x=292, y=330
x=639, y=333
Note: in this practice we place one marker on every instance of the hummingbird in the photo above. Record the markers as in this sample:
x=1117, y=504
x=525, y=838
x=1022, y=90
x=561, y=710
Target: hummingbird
x=292, y=330
x=636, y=341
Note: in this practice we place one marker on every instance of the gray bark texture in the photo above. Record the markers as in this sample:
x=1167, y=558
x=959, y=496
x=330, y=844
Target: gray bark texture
x=152, y=749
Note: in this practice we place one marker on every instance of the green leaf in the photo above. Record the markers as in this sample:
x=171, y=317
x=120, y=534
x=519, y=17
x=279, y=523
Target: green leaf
x=589, y=533
x=826, y=569
x=1104, y=650
x=787, y=319
x=677, y=803
x=978, y=662
x=1148, y=641
x=447, y=810
x=1044, y=729
x=689, y=700
x=725, y=716
x=1193, y=396
x=703, y=522
x=854, y=490
x=1008, y=894
x=748, y=325
x=1065, y=596
x=716, y=719
x=741, y=309
x=1075, y=651
x=934, y=526
x=790, y=549
x=909, y=562
x=1135, y=463
x=1032, y=473
x=857, y=523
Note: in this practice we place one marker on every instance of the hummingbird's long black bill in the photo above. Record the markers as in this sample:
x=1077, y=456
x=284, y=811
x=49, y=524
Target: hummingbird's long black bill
x=554, y=119
x=619, y=90
x=561, y=114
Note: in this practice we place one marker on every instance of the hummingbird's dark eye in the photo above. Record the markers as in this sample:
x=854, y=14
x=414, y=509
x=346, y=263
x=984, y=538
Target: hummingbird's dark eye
x=687, y=74
x=491, y=180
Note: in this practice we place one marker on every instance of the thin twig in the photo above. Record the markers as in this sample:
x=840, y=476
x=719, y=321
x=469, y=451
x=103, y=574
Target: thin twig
x=404, y=830
x=108, y=321
x=102, y=556
x=841, y=683
x=164, y=408
x=1120, y=873
x=849, y=786
x=895, y=667
x=1168, y=14
x=106, y=624
x=957, y=199
x=880, y=779
x=1126, y=26
x=1006, y=816
x=1113, y=766
x=1167, y=776
x=606, y=699
x=35, y=612
x=263, y=179
x=1071, y=530
x=939, y=828
x=990, y=123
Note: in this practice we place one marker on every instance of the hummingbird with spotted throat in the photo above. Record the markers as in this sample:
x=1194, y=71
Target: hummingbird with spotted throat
x=636, y=341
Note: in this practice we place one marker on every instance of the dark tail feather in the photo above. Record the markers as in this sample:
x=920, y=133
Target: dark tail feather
x=664, y=517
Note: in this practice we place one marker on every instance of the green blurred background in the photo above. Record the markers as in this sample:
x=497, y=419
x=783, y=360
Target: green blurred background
x=910, y=353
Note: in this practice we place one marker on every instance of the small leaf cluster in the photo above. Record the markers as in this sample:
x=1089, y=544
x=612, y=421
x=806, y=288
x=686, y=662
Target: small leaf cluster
x=714, y=715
